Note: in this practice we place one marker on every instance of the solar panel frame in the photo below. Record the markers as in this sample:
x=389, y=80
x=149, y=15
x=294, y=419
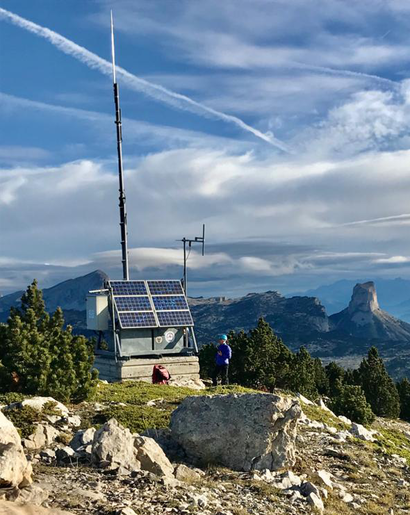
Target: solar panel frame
x=182, y=318
x=122, y=288
x=132, y=303
x=170, y=302
x=164, y=301
x=165, y=287
x=137, y=320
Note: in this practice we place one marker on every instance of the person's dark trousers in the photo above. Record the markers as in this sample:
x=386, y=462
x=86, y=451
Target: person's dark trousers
x=220, y=370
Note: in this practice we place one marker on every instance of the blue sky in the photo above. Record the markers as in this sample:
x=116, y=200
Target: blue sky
x=291, y=141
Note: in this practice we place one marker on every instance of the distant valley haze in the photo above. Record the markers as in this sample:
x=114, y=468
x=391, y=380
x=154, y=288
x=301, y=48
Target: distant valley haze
x=285, y=130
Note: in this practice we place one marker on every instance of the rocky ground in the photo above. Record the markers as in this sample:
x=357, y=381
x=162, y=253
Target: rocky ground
x=339, y=468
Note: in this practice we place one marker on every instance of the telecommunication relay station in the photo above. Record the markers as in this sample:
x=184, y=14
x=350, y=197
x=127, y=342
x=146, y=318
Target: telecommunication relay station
x=142, y=322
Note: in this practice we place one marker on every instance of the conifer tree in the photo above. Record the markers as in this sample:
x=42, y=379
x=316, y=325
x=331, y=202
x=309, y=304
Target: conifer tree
x=302, y=376
x=336, y=376
x=403, y=387
x=351, y=402
x=39, y=356
x=379, y=388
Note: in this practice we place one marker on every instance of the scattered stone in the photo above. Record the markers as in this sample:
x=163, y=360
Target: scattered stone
x=113, y=446
x=48, y=454
x=361, y=432
x=347, y=498
x=151, y=457
x=72, y=420
x=326, y=478
x=287, y=480
x=32, y=494
x=65, y=454
x=83, y=438
x=315, y=501
x=239, y=431
x=307, y=488
x=43, y=436
x=184, y=473
x=345, y=420
x=126, y=511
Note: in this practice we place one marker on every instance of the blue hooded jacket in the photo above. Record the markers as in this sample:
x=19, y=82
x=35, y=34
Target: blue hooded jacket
x=226, y=354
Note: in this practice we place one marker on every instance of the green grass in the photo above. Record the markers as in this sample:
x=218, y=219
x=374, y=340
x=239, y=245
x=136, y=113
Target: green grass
x=136, y=415
x=320, y=415
x=393, y=441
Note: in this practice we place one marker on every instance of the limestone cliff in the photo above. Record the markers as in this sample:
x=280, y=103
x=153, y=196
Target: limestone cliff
x=363, y=317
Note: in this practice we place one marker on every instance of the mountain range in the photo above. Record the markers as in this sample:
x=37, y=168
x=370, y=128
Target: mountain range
x=393, y=295
x=300, y=320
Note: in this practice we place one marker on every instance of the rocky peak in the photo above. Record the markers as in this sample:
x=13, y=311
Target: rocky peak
x=364, y=298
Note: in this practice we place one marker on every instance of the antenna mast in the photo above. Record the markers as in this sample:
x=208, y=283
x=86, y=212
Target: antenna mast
x=197, y=239
x=122, y=204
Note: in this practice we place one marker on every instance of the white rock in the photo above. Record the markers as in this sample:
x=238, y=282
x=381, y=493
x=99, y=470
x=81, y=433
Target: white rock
x=307, y=488
x=324, y=407
x=83, y=438
x=326, y=478
x=184, y=473
x=347, y=498
x=73, y=420
x=127, y=511
x=287, y=480
x=263, y=429
x=345, y=420
x=315, y=501
x=12, y=508
x=15, y=471
x=113, y=446
x=305, y=400
x=151, y=457
x=38, y=404
x=361, y=432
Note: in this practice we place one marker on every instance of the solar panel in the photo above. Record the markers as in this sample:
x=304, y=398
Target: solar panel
x=165, y=288
x=133, y=303
x=128, y=287
x=174, y=318
x=174, y=302
x=139, y=319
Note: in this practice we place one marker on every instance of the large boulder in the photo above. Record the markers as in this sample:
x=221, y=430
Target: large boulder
x=240, y=431
x=15, y=471
x=38, y=403
x=113, y=447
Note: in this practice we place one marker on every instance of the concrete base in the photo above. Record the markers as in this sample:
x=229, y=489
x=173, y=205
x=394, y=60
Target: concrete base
x=140, y=369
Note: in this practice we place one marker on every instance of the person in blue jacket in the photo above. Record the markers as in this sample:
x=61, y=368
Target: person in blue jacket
x=223, y=355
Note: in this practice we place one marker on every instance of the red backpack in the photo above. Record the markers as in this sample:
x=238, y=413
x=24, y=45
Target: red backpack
x=160, y=375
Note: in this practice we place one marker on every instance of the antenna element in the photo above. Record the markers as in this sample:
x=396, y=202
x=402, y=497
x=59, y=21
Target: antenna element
x=122, y=199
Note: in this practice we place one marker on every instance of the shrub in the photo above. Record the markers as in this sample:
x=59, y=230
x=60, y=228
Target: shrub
x=24, y=419
x=40, y=357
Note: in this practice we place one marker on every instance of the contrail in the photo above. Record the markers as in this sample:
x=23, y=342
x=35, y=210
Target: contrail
x=385, y=219
x=343, y=73
x=141, y=85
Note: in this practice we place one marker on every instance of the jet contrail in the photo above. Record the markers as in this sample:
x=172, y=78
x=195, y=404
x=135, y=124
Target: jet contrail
x=385, y=219
x=141, y=85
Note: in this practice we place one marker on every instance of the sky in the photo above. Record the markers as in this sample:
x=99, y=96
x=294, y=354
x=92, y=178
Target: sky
x=283, y=126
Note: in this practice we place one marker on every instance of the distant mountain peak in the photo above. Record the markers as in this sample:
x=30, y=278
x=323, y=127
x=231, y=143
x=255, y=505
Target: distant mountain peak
x=363, y=317
x=364, y=299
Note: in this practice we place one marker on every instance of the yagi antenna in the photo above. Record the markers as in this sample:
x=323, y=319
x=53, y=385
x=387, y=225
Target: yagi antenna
x=122, y=199
x=197, y=239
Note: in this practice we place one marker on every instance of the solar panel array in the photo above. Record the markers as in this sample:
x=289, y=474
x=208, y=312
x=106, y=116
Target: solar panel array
x=149, y=304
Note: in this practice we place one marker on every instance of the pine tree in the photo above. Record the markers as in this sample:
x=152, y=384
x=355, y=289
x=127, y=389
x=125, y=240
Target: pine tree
x=302, y=375
x=336, y=376
x=379, y=388
x=40, y=357
x=403, y=387
x=351, y=402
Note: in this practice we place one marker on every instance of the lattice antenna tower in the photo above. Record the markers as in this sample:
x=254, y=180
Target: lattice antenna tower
x=185, y=241
x=122, y=199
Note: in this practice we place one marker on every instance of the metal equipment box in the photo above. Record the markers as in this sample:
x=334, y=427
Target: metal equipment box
x=97, y=312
